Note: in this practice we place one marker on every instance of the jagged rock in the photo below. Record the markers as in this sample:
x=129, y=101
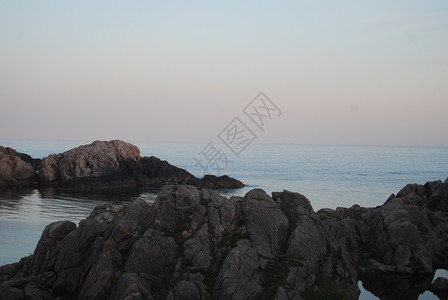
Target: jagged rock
x=307, y=239
x=197, y=252
x=174, y=207
x=130, y=227
x=266, y=224
x=154, y=254
x=187, y=290
x=99, y=163
x=100, y=278
x=52, y=234
x=116, y=164
x=157, y=171
x=195, y=244
x=131, y=286
x=14, y=170
x=35, y=162
x=407, y=234
x=239, y=277
x=189, y=244
x=315, y=256
x=221, y=212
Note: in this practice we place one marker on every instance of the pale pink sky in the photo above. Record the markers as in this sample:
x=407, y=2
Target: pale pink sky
x=370, y=73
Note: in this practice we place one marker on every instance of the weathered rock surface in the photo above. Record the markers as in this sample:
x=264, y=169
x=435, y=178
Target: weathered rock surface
x=408, y=234
x=196, y=244
x=190, y=244
x=318, y=261
x=99, y=165
x=16, y=169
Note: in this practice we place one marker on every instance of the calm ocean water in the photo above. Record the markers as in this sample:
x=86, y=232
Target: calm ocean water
x=329, y=176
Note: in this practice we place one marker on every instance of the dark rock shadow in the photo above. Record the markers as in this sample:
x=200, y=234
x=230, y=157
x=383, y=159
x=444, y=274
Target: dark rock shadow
x=393, y=286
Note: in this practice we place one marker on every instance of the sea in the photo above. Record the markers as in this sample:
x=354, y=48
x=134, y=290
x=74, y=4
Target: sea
x=329, y=176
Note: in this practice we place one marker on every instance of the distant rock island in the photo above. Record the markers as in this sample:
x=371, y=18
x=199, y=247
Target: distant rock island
x=99, y=165
x=193, y=243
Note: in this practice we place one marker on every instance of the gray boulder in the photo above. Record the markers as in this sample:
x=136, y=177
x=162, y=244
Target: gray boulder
x=101, y=277
x=266, y=223
x=239, y=277
x=197, y=254
x=130, y=286
x=100, y=163
x=154, y=255
x=52, y=235
x=314, y=257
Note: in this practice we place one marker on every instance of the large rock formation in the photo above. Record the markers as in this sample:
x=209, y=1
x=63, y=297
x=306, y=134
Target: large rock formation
x=16, y=169
x=190, y=244
x=196, y=244
x=99, y=165
x=408, y=234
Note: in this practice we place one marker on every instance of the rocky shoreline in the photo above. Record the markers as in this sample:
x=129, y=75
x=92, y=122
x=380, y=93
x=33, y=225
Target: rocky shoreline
x=193, y=243
x=98, y=166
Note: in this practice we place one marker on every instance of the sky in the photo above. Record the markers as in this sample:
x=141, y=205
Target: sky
x=340, y=72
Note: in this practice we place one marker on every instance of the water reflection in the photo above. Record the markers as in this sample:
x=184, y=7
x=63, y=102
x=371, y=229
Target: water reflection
x=24, y=214
x=395, y=286
x=13, y=194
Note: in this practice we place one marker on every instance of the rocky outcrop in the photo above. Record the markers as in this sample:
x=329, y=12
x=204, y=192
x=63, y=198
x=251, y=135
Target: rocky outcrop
x=190, y=244
x=217, y=182
x=102, y=164
x=319, y=261
x=408, y=234
x=196, y=244
x=99, y=165
x=153, y=171
x=115, y=164
x=16, y=169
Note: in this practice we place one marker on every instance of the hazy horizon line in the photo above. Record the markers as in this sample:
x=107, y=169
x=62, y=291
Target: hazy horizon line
x=132, y=141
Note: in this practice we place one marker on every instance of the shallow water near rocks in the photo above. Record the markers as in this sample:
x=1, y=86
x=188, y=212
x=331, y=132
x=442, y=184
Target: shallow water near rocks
x=400, y=287
x=25, y=213
x=329, y=176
